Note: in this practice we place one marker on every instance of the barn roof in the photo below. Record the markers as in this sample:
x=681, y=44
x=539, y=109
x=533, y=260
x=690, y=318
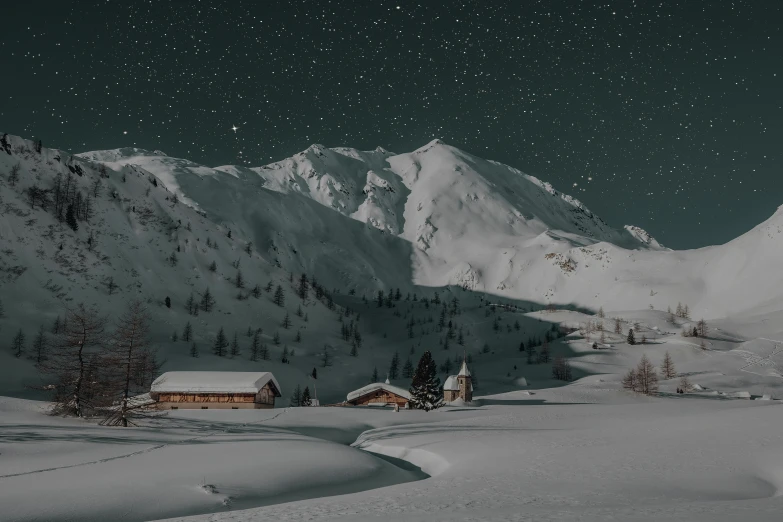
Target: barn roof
x=214, y=382
x=451, y=384
x=379, y=386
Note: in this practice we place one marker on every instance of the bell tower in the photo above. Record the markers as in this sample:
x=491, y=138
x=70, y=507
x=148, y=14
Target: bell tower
x=465, y=383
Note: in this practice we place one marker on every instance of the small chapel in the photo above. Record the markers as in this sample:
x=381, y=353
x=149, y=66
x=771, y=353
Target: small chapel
x=459, y=386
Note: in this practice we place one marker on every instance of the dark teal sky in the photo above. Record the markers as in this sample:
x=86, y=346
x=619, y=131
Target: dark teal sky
x=667, y=115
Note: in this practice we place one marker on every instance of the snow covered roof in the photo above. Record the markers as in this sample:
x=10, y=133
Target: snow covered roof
x=464, y=370
x=451, y=384
x=364, y=390
x=214, y=382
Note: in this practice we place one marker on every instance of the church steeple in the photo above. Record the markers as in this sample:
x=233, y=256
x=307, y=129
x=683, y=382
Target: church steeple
x=465, y=382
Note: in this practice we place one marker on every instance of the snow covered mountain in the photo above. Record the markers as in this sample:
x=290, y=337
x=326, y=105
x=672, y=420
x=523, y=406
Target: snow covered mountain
x=439, y=216
x=462, y=220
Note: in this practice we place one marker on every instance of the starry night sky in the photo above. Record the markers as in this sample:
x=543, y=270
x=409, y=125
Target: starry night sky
x=663, y=114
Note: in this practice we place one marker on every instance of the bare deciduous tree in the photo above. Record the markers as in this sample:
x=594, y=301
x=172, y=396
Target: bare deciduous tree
x=646, y=377
x=667, y=368
x=129, y=364
x=73, y=363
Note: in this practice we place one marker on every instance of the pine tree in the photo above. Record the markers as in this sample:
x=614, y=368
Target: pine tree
x=631, y=339
x=326, y=359
x=685, y=384
x=174, y=336
x=39, y=345
x=284, y=357
x=394, y=367
x=207, y=301
x=235, y=345
x=303, y=288
x=667, y=368
x=447, y=366
x=298, y=338
x=531, y=355
x=374, y=377
x=296, y=397
x=255, y=346
x=279, y=297
x=426, y=392
x=521, y=346
x=286, y=322
x=264, y=352
x=354, y=351
x=193, y=350
x=601, y=312
x=221, y=343
x=239, y=280
x=380, y=298
x=187, y=332
x=306, y=399
x=407, y=369
x=213, y=267
x=543, y=357
x=18, y=343
x=70, y=218
x=276, y=338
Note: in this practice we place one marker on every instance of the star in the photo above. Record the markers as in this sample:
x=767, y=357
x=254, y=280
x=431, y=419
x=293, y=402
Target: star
x=234, y=128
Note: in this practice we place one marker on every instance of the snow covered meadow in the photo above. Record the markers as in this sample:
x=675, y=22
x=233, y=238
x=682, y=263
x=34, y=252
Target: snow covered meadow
x=470, y=257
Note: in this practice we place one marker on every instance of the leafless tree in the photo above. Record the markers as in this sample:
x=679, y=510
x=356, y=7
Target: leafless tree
x=702, y=328
x=72, y=361
x=13, y=177
x=646, y=377
x=667, y=368
x=629, y=380
x=130, y=365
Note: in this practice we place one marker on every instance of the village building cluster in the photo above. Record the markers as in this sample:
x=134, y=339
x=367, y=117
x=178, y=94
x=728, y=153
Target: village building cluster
x=253, y=390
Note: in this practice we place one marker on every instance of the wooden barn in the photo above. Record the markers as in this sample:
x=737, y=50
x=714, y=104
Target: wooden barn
x=215, y=390
x=379, y=394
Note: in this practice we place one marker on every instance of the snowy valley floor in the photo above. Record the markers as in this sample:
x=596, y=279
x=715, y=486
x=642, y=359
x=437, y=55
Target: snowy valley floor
x=586, y=451
x=516, y=458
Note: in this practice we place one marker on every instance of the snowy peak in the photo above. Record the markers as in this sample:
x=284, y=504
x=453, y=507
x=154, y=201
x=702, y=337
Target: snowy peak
x=643, y=237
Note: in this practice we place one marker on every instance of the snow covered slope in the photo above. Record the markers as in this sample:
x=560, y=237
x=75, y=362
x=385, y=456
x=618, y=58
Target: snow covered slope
x=439, y=216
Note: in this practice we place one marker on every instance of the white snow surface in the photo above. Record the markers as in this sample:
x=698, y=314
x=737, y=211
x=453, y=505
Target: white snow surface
x=213, y=382
x=443, y=217
x=378, y=386
x=583, y=451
